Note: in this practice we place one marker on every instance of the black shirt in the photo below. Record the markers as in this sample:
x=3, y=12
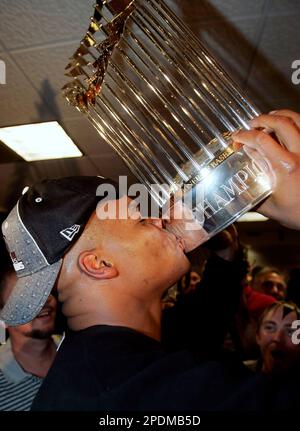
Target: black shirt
x=115, y=368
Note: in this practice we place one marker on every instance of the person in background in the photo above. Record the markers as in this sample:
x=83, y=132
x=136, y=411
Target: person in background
x=28, y=353
x=191, y=280
x=279, y=354
x=270, y=281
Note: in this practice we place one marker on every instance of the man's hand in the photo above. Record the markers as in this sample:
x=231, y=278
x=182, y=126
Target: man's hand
x=280, y=156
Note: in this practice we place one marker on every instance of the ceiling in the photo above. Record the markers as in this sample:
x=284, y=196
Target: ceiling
x=256, y=41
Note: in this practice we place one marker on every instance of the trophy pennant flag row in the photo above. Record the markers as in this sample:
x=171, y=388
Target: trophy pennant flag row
x=163, y=102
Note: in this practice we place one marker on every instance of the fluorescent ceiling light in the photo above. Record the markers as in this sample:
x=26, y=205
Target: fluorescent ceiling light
x=252, y=216
x=42, y=141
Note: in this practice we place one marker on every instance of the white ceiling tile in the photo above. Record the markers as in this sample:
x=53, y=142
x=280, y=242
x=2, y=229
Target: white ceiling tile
x=232, y=44
x=284, y=7
x=36, y=22
x=198, y=10
x=19, y=100
x=271, y=72
x=45, y=68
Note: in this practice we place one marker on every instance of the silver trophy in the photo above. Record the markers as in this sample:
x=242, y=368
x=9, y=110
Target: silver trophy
x=166, y=106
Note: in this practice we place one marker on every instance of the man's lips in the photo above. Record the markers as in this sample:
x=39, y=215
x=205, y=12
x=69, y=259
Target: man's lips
x=181, y=242
x=178, y=239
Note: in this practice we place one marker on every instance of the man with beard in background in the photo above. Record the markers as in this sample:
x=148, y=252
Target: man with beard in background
x=28, y=353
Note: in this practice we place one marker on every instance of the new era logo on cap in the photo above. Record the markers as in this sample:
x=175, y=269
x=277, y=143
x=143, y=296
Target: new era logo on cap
x=70, y=232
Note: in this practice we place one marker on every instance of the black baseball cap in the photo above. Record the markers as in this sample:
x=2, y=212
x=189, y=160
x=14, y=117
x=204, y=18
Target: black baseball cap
x=46, y=221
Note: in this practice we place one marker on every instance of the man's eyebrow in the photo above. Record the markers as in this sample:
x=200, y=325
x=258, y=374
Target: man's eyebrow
x=269, y=321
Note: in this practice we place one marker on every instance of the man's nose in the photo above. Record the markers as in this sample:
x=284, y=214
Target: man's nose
x=274, y=290
x=277, y=336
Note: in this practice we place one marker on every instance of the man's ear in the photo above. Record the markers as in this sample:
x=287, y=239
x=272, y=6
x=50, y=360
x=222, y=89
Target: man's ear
x=91, y=263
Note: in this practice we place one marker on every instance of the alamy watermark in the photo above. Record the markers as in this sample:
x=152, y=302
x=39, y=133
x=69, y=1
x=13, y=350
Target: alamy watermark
x=2, y=72
x=296, y=73
x=296, y=333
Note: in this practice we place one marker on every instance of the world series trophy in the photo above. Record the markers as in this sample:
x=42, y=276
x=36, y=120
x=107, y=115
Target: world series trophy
x=155, y=94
